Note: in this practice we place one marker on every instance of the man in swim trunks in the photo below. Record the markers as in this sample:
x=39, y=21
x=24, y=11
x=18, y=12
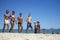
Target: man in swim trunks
x=29, y=20
x=6, y=21
x=12, y=17
x=20, y=27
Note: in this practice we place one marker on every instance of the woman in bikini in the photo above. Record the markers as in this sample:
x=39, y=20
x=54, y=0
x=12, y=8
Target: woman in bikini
x=12, y=17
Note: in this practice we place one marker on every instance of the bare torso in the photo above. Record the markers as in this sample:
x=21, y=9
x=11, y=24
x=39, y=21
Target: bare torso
x=20, y=19
x=6, y=17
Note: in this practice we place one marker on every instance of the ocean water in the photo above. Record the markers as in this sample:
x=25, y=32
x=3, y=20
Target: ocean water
x=48, y=31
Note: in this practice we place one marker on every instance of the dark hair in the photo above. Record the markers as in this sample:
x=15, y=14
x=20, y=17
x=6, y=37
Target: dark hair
x=20, y=13
x=7, y=11
x=13, y=12
x=38, y=22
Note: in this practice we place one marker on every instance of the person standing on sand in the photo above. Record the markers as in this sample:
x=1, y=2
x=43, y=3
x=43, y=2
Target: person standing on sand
x=35, y=27
x=29, y=20
x=38, y=27
x=20, y=27
x=12, y=17
x=6, y=21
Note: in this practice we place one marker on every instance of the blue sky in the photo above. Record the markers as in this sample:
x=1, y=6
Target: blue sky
x=46, y=11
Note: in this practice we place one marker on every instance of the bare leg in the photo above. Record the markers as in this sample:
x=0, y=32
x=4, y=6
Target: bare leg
x=11, y=29
x=19, y=28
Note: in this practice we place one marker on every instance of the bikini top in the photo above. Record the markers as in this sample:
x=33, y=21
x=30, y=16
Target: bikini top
x=12, y=17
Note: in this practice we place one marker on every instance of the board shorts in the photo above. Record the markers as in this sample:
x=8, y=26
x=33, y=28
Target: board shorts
x=6, y=21
x=19, y=23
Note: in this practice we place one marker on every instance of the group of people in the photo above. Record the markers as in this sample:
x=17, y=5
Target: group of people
x=19, y=20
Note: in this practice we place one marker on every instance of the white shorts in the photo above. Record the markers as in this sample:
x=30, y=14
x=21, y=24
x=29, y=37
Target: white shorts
x=6, y=21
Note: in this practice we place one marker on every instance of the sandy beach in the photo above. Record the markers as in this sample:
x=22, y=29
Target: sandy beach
x=28, y=36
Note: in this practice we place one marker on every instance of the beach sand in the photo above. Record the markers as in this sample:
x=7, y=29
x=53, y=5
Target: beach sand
x=28, y=36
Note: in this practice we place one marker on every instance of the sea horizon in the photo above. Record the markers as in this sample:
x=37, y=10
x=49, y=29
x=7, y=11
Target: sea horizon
x=48, y=31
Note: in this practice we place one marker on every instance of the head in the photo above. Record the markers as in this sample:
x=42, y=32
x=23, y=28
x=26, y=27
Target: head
x=38, y=22
x=20, y=14
x=7, y=11
x=13, y=12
